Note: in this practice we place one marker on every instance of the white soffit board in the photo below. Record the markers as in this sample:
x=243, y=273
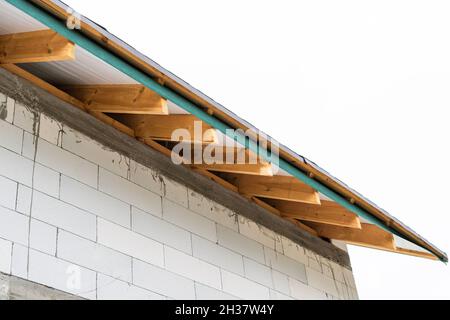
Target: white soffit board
x=13, y=20
x=85, y=69
x=174, y=109
x=402, y=243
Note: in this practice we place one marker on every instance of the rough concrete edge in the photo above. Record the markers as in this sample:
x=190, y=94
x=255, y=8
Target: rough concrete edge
x=14, y=288
x=40, y=100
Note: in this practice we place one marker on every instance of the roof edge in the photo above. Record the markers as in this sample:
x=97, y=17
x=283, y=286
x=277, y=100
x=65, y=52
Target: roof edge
x=144, y=64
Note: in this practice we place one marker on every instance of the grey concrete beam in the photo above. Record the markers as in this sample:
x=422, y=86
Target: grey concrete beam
x=13, y=288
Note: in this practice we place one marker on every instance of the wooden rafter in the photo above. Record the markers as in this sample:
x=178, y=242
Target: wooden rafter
x=155, y=145
x=303, y=226
x=215, y=178
x=66, y=97
x=327, y=212
x=120, y=98
x=263, y=204
x=276, y=187
x=415, y=253
x=368, y=236
x=222, y=159
x=258, y=169
x=35, y=46
x=163, y=127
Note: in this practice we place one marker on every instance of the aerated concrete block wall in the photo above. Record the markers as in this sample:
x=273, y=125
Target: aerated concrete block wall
x=84, y=220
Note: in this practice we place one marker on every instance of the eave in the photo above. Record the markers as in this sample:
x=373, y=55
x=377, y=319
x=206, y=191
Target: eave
x=154, y=77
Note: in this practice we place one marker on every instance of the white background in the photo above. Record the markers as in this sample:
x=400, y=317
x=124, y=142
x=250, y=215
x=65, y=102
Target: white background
x=359, y=87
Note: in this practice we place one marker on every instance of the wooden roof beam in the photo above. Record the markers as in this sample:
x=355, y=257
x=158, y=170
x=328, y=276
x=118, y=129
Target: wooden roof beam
x=66, y=97
x=119, y=98
x=35, y=46
x=234, y=160
x=328, y=212
x=303, y=226
x=368, y=236
x=163, y=127
x=276, y=187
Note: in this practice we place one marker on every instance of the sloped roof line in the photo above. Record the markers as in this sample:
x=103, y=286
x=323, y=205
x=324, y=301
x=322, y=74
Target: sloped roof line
x=146, y=65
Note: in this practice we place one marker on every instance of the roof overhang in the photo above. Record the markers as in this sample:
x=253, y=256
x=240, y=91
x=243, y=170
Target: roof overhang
x=124, y=58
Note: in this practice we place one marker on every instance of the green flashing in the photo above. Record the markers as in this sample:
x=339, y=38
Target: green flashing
x=79, y=39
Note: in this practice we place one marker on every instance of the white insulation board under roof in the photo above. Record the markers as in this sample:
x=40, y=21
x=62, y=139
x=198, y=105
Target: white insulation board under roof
x=85, y=69
x=15, y=21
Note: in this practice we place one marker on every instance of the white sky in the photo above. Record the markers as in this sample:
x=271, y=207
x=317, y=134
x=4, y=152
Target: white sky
x=359, y=87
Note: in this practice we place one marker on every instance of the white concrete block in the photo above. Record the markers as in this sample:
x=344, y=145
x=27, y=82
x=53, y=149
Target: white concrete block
x=160, y=230
x=93, y=151
x=285, y=265
x=338, y=272
x=46, y=180
x=93, y=256
x=207, y=293
x=129, y=192
x=189, y=220
x=130, y=243
x=217, y=255
x=67, y=163
x=321, y=282
x=280, y=282
x=163, y=282
x=239, y=243
x=8, y=108
x=63, y=215
x=258, y=272
x=19, y=263
x=11, y=137
x=176, y=192
x=278, y=243
x=5, y=256
x=301, y=291
x=349, y=278
x=112, y=289
x=96, y=202
x=275, y=295
x=256, y=232
x=15, y=167
x=13, y=226
x=23, y=203
x=327, y=270
x=146, y=177
x=243, y=288
x=192, y=268
x=64, y=275
x=43, y=237
x=344, y=292
x=211, y=210
x=50, y=130
x=24, y=118
x=29, y=145
x=353, y=293
x=314, y=263
x=294, y=251
x=8, y=193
